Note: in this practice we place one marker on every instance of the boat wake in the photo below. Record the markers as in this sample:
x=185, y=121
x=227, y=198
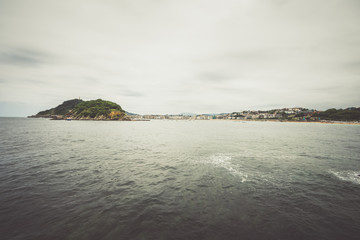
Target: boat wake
x=224, y=161
x=349, y=175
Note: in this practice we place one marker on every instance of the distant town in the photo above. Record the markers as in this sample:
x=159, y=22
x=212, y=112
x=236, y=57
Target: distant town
x=294, y=114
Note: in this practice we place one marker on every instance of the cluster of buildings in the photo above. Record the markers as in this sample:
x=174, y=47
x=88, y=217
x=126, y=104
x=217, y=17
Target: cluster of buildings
x=296, y=114
x=174, y=117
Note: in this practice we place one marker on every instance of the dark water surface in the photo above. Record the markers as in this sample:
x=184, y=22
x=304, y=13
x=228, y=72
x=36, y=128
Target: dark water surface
x=178, y=180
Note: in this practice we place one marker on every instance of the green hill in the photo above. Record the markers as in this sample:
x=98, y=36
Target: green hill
x=78, y=109
x=98, y=109
x=348, y=114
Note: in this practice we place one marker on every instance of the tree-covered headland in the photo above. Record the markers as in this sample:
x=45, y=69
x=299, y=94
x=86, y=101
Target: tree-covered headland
x=78, y=109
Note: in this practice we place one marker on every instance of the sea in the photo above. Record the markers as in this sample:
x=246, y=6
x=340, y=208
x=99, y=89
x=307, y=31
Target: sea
x=167, y=179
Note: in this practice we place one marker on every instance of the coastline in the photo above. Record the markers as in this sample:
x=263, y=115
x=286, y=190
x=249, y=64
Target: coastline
x=237, y=120
x=288, y=121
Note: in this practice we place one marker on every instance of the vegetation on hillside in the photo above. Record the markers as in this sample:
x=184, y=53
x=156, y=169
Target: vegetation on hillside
x=79, y=109
x=348, y=114
x=98, y=108
x=62, y=109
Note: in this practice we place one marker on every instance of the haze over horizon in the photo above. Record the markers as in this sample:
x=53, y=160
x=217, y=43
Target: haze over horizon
x=168, y=57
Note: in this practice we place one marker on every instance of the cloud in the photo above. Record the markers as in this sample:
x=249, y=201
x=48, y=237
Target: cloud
x=157, y=56
x=131, y=93
x=352, y=66
x=213, y=77
x=22, y=57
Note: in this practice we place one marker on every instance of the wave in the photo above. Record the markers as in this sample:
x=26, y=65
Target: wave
x=349, y=175
x=224, y=161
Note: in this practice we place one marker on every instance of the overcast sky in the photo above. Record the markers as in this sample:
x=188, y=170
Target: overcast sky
x=158, y=56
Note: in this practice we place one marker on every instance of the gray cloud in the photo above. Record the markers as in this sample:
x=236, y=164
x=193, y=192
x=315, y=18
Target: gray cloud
x=326, y=89
x=22, y=57
x=25, y=82
x=131, y=93
x=181, y=56
x=213, y=77
x=352, y=66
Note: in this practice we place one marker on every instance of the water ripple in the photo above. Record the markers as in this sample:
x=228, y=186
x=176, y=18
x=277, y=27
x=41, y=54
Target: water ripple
x=225, y=161
x=348, y=176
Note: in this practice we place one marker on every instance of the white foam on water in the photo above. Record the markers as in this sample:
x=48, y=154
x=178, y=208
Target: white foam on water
x=224, y=161
x=349, y=175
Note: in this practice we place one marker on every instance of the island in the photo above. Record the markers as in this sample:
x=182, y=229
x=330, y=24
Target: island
x=77, y=109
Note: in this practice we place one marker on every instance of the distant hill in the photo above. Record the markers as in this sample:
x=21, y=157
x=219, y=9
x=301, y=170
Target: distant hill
x=130, y=114
x=78, y=109
x=348, y=114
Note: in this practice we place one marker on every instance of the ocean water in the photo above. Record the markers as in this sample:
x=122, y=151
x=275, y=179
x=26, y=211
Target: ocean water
x=178, y=180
